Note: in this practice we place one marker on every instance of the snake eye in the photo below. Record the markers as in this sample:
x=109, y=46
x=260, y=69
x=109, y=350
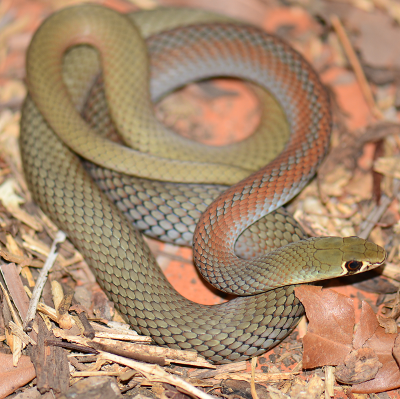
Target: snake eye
x=353, y=266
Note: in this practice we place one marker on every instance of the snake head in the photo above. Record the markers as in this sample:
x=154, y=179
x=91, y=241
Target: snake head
x=361, y=255
x=354, y=254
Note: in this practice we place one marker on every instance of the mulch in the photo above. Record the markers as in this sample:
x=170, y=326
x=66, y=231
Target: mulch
x=354, y=193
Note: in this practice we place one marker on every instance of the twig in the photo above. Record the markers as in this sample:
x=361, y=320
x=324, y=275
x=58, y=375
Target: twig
x=37, y=292
x=252, y=381
x=10, y=306
x=74, y=347
x=20, y=333
x=355, y=63
x=376, y=214
x=64, y=318
x=258, y=377
x=17, y=344
x=89, y=373
x=78, y=366
x=88, y=329
x=131, y=355
x=156, y=373
x=202, y=374
x=170, y=355
x=329, y=380
x=122, y=336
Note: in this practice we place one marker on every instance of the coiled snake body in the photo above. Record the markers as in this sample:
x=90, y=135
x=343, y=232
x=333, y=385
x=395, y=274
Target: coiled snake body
x=52, y=131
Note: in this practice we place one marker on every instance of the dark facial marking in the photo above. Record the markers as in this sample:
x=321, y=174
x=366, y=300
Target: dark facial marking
x=353, y=266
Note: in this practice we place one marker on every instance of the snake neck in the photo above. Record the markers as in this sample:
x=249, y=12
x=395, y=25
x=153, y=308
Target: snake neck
x=237, y=208
x=304, y=261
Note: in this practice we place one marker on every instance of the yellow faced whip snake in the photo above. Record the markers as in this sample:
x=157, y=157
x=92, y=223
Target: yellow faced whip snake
x=53, y=132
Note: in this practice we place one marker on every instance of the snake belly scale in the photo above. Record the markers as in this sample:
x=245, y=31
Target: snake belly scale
x=123, y=264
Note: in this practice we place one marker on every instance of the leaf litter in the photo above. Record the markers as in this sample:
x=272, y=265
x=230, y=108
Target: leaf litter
x=354, y=193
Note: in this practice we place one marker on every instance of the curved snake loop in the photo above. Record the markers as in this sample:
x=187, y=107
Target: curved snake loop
x=246, y=326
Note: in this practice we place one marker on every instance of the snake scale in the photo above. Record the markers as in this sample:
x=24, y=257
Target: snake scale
x=184, y=200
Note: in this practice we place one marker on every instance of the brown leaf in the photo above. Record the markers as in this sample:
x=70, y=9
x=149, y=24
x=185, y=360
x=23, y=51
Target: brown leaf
x=359, y=366
x=319, y=351
x=367, y=326
x=374, y=29
x=330, y=314
x=388, y=378
x=396, y=349
x=382, y=344
x=330, y=332
x=14, y=377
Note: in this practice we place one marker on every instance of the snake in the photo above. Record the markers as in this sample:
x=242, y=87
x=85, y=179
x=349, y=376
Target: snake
x=93, y=187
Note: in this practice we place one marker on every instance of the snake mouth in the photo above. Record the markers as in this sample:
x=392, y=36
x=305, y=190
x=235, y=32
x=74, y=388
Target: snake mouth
x=381, y=261
x=377, y=264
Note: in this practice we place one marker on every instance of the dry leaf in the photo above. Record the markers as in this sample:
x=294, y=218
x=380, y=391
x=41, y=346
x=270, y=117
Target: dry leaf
x=330, y=333
x=396, y=350
x=14, y=377
x=382, y=344
x=388, y=378
x=369, y=324
x=374, y=29
x=359, y=366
